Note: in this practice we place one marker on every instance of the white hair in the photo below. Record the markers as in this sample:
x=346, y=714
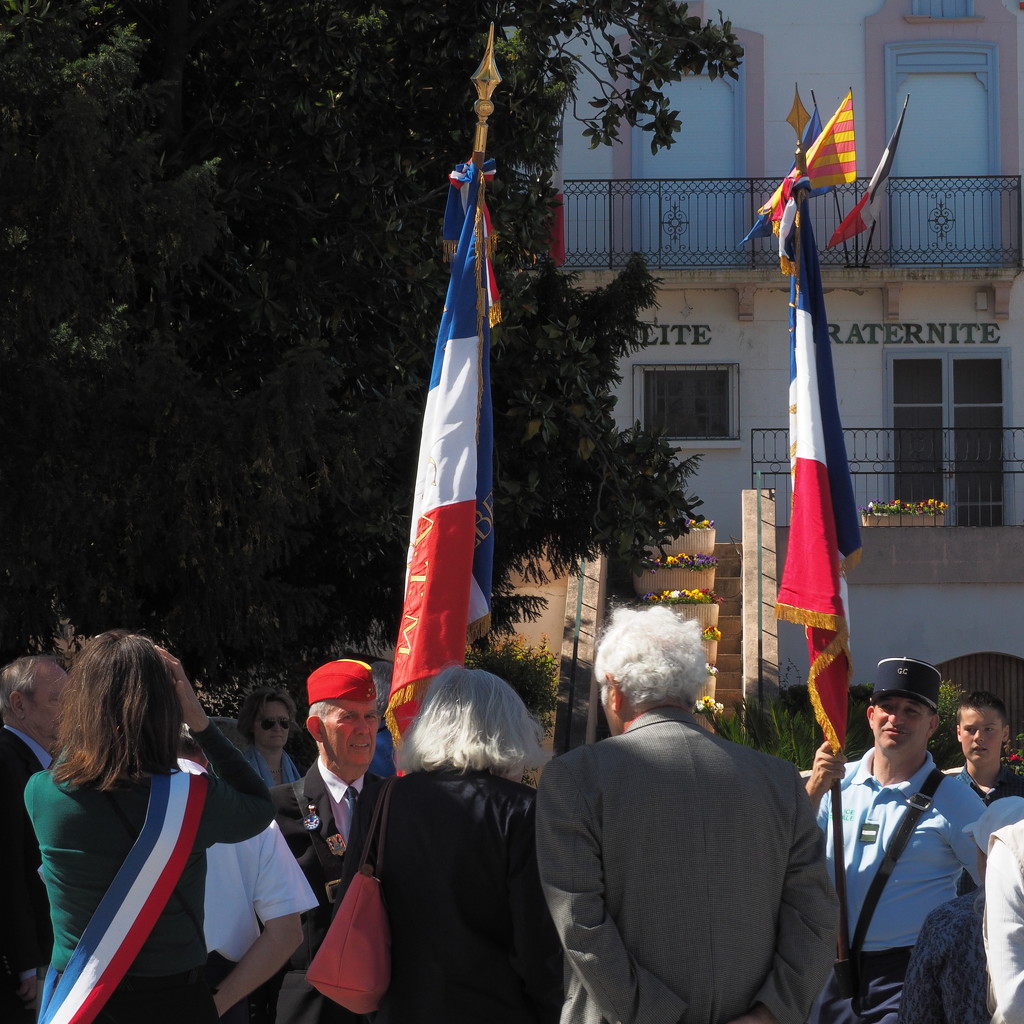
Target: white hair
x=20, y=677
x=654, y=655
x=472, y=720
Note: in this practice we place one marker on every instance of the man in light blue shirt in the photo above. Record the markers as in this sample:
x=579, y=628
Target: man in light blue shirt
x=876, y=793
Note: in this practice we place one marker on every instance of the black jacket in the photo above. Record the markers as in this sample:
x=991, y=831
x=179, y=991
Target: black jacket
x=26, y=936
x=471, y=937
x=297, y=1001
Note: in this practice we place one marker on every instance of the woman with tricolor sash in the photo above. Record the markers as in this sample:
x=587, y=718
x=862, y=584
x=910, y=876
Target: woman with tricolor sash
x=123, y=835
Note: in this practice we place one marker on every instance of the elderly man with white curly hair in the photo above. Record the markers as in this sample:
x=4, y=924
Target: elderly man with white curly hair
x=685, y=874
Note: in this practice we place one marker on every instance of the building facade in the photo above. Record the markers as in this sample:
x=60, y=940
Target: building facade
x=926, y=315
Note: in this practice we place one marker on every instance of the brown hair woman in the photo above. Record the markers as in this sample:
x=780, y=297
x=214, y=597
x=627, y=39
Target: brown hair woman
x=123, y=707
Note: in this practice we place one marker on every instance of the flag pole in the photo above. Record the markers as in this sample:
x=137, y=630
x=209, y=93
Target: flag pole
x=838, y=845
x=450, y=556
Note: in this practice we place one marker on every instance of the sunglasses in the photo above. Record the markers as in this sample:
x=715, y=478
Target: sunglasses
x=269, y=723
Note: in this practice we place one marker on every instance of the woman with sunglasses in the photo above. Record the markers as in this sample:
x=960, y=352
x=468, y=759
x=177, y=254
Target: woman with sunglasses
x=265, y=721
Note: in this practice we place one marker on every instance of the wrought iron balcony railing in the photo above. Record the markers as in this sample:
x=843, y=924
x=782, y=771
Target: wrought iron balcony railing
x=977, y=471
x=694, y=222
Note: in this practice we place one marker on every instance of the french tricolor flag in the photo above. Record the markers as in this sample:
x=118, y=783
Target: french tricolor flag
x=824, y=535
x=448, y=577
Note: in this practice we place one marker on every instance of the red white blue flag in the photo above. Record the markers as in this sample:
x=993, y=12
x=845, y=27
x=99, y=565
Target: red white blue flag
x=866, y=213
x=824, y=534
x=129, y=909
x=448, y=578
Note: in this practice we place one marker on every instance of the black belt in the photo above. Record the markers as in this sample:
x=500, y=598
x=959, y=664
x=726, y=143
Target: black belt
x=160, y=983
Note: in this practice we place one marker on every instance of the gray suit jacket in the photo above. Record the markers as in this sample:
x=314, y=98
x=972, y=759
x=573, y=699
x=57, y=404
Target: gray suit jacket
x=686, y=878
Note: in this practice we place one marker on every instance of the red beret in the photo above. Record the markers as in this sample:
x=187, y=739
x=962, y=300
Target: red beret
x=342, y=680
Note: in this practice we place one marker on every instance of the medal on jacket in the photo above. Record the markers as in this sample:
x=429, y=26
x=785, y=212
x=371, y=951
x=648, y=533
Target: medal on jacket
x=311, y=822
x=336, y=845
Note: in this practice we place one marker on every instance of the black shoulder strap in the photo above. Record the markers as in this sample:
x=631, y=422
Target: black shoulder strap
x=329, y=864
x=919, y=803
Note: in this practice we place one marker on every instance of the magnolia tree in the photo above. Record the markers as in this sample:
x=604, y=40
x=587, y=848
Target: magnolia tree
x=220, y=234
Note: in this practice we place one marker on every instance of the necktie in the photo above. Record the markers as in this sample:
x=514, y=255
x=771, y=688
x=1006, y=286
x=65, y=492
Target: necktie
x=350, y=798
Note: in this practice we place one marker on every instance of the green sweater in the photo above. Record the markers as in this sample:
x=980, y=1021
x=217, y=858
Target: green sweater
x=84, y=841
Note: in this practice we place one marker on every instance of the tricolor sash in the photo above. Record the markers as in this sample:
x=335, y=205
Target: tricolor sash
x=130, y=907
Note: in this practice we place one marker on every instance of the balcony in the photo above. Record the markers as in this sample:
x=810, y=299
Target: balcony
x=689, y=224
x=977, y=471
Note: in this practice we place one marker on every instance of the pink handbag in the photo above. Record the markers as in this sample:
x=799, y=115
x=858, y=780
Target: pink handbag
x=352, y=967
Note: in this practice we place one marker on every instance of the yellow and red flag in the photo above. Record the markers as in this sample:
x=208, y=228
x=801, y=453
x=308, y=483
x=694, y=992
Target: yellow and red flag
x=831, y=160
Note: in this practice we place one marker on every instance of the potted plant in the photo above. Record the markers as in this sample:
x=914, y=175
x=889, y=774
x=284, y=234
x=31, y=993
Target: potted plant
x=699, y=604
x=711, y=635
x=684, y=570
x=903, y=513
x=698, y=540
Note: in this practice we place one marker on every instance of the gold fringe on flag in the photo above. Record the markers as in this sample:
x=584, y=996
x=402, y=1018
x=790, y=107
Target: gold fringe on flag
x=450, y=248
x=414, y=691
x=479, y=629
x=802, y=617
x=839, y=644
x=495, y=314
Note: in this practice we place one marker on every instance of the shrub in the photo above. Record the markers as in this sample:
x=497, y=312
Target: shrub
x=531, y=671
x=785, y=726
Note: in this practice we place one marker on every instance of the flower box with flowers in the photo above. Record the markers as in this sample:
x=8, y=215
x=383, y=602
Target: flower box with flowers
x=710, y=636
x=699, y=540
x=904, y=513
x=700, y=605
x=674, y=572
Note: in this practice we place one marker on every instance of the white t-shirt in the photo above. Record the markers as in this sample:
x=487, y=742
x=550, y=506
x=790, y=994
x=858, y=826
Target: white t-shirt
x=257, y=878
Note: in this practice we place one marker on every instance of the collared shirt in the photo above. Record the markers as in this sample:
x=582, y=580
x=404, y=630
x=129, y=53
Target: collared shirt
x=44, y=756
x=336, y=791
x=255, y=880
x=926, y=873
x=1008, y=783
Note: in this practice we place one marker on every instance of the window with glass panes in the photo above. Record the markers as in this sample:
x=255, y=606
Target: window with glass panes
x=948, y=435
x=690, y=401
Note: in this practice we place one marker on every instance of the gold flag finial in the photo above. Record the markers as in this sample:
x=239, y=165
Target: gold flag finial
x=798, y=118
x=486, y=79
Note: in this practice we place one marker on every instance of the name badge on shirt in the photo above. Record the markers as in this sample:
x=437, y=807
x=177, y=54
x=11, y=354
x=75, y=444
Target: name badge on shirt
x=869, y=832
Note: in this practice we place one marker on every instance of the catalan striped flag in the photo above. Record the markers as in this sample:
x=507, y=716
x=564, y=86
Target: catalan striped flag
x=824, y=534
x=448, y=575
x=831, y=160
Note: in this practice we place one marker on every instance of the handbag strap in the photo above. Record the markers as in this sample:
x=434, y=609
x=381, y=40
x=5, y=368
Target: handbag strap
x=378, y=826
x=919, y=803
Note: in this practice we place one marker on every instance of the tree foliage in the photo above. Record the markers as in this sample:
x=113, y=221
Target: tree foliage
x=219, y=243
